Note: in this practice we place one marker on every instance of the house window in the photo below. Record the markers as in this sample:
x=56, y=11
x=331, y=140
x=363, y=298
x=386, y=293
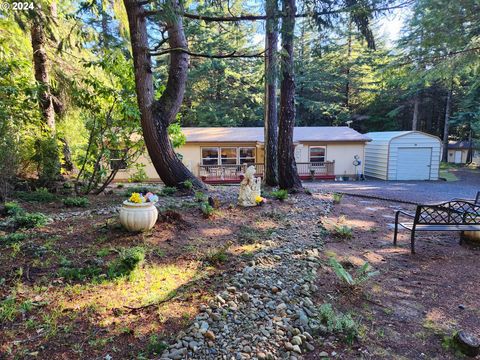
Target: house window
x=247, y=156
x=229, y=156
x=209, y=156
x=117, y=161
x=317, y=154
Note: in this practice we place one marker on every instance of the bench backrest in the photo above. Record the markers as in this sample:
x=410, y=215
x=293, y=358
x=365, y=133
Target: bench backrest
x=457, y=212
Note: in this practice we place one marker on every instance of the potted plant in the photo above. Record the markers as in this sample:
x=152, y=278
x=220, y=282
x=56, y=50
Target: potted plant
x=139, y=213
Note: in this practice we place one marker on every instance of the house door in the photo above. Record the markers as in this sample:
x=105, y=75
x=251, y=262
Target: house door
x=414, y=163
x=458, y=157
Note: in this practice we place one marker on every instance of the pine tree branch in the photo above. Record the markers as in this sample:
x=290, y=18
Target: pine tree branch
x=440, y=57
x=233, y=54
x=253, y=17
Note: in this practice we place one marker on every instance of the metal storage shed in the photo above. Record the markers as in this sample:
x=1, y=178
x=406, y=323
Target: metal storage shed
x=402, y=155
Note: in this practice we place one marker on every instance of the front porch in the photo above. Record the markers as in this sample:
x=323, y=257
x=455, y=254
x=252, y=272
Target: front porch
x=233, y=174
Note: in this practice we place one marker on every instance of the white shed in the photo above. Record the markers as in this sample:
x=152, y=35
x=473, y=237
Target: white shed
x=402, y=155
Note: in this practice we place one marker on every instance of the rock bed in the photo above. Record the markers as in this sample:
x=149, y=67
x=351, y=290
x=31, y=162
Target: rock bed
x=265, y=310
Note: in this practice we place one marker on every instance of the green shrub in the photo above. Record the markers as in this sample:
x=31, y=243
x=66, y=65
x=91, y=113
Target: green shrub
x=342, y=231
x=188, y=184
x=361, y=275
x=39, y=195
x=30, y=220
x=168, y=190
x=76, y=202
x=207, y=209
x=156, y=346
x=128, y=260
x=216, y=257
x=279, y=194
x=337, y=198
x=139, y=175
x=12, y=208
x=338, y=323
x=12, y=238
x=199, y=196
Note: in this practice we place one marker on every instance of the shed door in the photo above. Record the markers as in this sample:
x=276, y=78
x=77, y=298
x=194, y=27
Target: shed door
x=414, y=163
x=458, y=157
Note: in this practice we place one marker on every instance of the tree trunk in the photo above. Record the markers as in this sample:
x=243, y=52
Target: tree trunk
x=448, y=107
x=415, y=112
x=157, y=115
x=40, y=61
x=271, y=116
x=287, y=168
x=347, y=71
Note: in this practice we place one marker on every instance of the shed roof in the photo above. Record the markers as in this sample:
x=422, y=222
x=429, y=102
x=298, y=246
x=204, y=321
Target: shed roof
x=389, y=135
x=255, y=134
x=462, y=144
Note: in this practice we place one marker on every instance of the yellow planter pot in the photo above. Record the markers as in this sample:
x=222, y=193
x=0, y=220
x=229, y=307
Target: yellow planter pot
x=138, y=217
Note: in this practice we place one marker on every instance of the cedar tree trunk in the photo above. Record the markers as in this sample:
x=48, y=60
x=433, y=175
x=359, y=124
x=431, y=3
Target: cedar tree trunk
x=271, y=116
x=41, y=72
x=287, y=168
x=157, y=114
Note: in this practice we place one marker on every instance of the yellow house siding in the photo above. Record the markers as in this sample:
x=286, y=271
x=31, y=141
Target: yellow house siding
x=341, y=152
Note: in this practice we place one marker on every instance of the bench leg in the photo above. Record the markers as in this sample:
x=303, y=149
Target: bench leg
x=395, y=235
x=412, y=242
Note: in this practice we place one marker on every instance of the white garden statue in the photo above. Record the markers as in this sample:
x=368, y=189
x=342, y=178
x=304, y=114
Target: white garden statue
x=250, y=188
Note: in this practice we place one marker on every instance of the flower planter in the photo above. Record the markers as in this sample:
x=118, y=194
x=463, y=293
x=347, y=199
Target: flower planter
x=138, y=217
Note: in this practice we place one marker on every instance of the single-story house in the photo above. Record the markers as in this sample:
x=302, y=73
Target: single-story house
x=402, y=155
x=458, y=152
x=221, y=154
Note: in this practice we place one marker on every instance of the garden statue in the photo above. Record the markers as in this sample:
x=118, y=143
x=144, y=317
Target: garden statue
x=249, y=188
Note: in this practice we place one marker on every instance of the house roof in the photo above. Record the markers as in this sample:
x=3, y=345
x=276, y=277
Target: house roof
x=463, y=144
x=255, y=134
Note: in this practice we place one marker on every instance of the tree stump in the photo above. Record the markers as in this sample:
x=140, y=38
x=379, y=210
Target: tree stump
x=467, y=343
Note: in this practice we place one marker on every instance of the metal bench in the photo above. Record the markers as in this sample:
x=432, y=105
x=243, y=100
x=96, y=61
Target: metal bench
x=455, y=215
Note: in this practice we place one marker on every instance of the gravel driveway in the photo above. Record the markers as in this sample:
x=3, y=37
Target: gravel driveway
x=411, y=191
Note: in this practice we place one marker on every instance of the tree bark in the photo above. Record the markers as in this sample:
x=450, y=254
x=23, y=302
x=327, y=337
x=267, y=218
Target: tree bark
x=157, y=115
x=448, y=107
x=347, y=70
x=287, y=168
x=415, y=111
x=271, y=116
x=40, y=63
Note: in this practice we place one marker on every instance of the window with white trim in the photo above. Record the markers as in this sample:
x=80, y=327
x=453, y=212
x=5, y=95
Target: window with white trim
x=317, y=154
x=229, y=155
x=247, y=155
x=209, y=156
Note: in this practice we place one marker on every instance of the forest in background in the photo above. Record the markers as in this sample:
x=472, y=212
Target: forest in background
x=66, y=67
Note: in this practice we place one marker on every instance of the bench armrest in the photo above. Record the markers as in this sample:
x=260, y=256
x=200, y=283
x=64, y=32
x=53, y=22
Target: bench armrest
x=398, y=212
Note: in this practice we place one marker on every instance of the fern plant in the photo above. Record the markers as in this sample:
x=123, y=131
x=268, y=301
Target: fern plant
x=362, y=274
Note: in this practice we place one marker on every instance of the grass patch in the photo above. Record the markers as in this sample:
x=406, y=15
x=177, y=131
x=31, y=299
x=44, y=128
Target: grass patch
x=342, y=231
x=448, y=176
x=216, y=257
x=250, y=235
x=128, y=260
x=10, y=308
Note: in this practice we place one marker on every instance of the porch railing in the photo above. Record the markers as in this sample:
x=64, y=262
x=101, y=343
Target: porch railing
x=316, y=169
x=233, y=173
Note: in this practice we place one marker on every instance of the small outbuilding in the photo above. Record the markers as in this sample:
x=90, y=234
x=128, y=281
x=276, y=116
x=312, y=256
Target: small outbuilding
x=402, y=155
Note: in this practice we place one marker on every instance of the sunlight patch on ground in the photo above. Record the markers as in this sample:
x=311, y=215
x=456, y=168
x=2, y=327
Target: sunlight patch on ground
x=146, y=285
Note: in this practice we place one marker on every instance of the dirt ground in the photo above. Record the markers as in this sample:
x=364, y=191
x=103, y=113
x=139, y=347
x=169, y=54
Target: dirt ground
x=410, y=310
x=88, y=315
